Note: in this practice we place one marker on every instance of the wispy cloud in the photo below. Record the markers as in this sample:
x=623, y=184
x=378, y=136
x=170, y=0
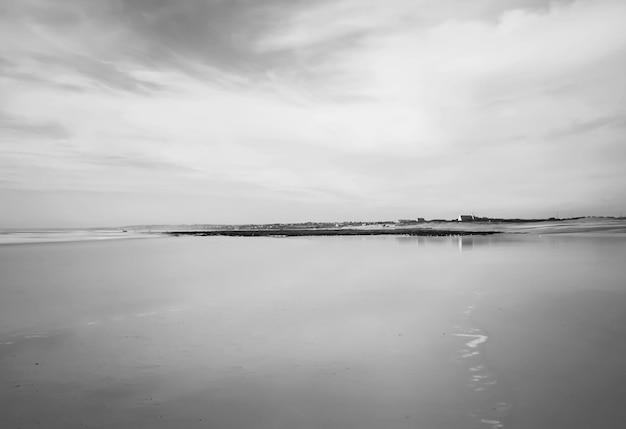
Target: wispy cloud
x=585, y=126
x=25, y=127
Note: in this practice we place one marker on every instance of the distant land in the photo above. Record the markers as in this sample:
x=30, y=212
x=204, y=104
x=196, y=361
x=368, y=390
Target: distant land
x=463, y=225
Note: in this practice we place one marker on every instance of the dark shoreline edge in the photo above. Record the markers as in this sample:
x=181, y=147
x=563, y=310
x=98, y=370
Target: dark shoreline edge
x=331, y=232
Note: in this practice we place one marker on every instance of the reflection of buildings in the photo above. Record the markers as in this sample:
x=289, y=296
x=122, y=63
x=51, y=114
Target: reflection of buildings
x=465, y=243
x=458, y=243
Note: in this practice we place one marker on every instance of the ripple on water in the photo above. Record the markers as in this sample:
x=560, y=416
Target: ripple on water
x=491, y=410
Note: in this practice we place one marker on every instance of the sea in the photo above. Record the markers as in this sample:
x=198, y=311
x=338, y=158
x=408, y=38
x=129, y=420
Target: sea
x=112, y=329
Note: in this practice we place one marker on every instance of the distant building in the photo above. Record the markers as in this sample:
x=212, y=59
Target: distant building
x=407, y=221
x=421, y=219
x=466, y=218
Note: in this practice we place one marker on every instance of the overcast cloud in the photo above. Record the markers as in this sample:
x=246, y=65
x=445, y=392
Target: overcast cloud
x=191, y=111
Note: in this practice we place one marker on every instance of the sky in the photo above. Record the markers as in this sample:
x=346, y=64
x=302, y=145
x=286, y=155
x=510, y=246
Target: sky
x=129, y=112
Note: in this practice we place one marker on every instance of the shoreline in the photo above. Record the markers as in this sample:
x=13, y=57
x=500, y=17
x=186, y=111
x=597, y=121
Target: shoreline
x=288, y=232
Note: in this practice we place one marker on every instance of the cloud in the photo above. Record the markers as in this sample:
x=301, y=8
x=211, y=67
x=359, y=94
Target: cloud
x=580, y=127
x=339, y=105
x=28, y=127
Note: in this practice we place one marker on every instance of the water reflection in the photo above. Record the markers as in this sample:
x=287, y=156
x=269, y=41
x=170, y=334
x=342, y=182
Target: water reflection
x=349, y=332
x=463, y=242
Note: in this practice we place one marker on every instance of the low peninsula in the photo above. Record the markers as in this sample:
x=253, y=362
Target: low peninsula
x=463, y=226
x=302, y=232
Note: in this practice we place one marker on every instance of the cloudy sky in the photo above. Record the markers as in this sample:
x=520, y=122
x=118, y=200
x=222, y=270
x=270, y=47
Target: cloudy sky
x=229, y=111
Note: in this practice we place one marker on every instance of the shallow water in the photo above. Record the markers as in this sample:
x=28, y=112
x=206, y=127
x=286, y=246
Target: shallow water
x=31, y=236
x=330, y=332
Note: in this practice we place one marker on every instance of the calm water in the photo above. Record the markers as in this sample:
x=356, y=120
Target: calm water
x=372, y=332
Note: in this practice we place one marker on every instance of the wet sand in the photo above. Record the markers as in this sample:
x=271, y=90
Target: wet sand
x=555, y=332
x=353, y=332
x=561, y=357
